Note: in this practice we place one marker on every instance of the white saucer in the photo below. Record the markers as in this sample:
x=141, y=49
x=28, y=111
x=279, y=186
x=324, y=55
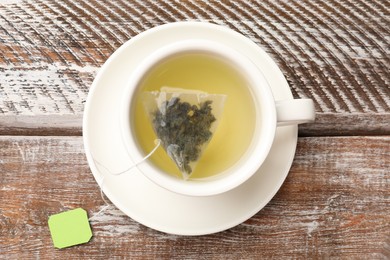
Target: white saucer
x=137, y=196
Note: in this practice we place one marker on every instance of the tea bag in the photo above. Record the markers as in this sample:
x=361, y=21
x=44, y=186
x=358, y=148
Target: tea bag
x=185, y=121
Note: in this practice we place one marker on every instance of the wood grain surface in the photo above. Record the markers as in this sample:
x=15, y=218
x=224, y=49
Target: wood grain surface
x=335, y=52
x=334, y=204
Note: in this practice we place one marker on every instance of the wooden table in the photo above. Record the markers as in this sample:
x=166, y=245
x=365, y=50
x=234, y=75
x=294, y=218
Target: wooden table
x=335, y=202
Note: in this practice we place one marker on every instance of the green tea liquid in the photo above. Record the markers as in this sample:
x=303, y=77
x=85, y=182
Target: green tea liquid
x=212, y=75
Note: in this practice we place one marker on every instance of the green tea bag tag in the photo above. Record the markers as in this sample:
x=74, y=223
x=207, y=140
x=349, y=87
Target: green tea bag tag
x=70, y=228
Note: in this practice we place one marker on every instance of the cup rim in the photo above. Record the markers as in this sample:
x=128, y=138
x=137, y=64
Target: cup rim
x=261, y=141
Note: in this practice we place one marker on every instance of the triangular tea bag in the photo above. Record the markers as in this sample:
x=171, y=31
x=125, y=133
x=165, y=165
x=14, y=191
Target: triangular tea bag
x=185, y=121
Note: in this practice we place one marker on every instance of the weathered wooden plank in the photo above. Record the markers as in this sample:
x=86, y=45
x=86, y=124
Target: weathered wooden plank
x=335, y=203
x=335, y=52
x=325, y=125
x=48, y=124
x=329, y=124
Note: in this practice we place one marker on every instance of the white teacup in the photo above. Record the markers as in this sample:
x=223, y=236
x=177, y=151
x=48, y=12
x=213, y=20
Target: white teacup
x=269, y=115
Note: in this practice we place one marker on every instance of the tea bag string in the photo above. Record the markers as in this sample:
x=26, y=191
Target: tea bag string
x=157, y=143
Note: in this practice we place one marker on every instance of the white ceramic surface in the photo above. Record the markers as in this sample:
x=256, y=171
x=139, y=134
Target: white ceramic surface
x=140, y=198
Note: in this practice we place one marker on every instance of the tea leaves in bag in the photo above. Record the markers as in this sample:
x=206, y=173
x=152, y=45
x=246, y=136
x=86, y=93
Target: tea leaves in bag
x=184, y=121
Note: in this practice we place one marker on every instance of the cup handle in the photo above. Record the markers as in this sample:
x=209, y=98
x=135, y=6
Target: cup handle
x=294, y=111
